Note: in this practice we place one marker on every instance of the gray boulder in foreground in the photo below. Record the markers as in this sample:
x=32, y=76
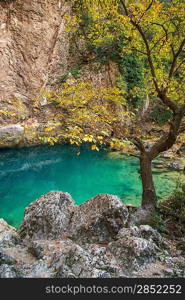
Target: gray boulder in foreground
x=94, y=240
x=48, y=217
x=99, y=219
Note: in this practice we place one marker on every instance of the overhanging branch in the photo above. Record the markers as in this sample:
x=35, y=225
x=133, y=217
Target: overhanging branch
x=138, y=143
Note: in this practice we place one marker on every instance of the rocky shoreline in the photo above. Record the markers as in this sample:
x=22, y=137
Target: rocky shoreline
x=101, y=238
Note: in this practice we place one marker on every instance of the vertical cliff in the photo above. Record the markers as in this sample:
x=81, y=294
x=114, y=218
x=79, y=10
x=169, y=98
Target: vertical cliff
x=33, y=47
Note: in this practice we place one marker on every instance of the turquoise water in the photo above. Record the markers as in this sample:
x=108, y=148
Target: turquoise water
x=26, y=174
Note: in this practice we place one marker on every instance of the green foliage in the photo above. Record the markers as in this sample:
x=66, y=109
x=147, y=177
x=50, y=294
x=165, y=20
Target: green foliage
x=153, y=29
x=63, y=78
x=85, y=114
x=176, y=202
x=76, y=71
x=160, y=114
x=130, y=65
x=157, y=222
x=110, y=48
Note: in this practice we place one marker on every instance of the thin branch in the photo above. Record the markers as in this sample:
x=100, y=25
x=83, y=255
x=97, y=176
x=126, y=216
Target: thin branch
x=173, y=51
x=167, y=101
x=164, y=29
x=124, y=6
x=150, y=5
x=178, y=67
x=138, y=143
x=140, y=51
x=171, y=72
x=161, y=38
x=150, y=61
x=148, y=51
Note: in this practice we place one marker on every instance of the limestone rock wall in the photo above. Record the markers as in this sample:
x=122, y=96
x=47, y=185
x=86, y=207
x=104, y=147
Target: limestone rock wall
x=33, y=48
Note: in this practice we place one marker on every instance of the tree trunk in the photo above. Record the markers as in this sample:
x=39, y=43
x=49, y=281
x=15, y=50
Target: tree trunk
x=149, y=197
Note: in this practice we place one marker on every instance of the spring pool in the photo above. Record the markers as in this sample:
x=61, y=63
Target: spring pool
x=28, y=173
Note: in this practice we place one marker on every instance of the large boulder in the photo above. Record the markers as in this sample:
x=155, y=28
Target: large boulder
x=136, y=247
x=144, y=232
x=11, y=135
x=8, y=235
x=133, y=252
x=99, y=219
x=48, y=217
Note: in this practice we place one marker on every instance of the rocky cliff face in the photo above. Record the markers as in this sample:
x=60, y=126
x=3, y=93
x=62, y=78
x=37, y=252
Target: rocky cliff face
x=57, y=239
x=33, y=46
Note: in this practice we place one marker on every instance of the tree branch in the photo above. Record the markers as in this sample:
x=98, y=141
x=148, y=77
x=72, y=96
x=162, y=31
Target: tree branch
x=161, y=38
x=168, y=139
x=178, y=67
x=149, y=6
x=173, y=51
x=148, y=51
x=176, y=55
x=144, y=53
x=167, y=101
x=138, y=143
x=161, y=92
x=164, y=29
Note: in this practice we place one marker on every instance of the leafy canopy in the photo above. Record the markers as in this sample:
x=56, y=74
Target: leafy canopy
x=153, y=29
x=86, y=114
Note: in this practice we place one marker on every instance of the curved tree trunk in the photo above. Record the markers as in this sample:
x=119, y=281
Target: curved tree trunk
x=149, y=197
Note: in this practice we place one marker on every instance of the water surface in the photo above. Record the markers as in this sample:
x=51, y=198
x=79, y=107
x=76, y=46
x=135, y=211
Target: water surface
x=28, y=173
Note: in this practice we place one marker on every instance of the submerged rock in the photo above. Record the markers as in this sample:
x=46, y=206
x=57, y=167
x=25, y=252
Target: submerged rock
x=11, y=135
x=48, y=217
x=99, y=219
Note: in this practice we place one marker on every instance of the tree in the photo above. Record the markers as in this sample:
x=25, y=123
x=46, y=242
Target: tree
x=155, y=30
x=86, y=114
